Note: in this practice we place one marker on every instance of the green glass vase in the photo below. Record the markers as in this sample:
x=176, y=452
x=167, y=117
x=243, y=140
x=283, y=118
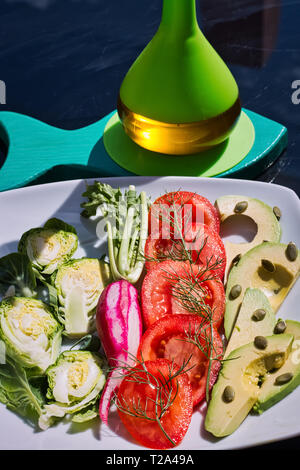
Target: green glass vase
x=179, y=97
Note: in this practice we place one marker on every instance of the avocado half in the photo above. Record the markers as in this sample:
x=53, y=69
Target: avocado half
x=247, y=325
x=242, y=374
x=268, y=227
x=251, y=272
x=271, y=392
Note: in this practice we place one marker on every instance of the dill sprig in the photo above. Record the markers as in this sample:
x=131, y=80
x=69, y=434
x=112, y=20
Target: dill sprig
x=189, y=289
x=190, y=293
x=165, y=391
x=180, y=249
x=203, y=338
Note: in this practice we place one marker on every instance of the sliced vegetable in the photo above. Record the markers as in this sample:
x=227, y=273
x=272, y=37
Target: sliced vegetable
x=30, y=332
x=255, y=318
x=155, y=403
x=246, y=372
x=182, y=338
x=126, y=222
x=175, y=287
x=79, y=284
x=265, y=267
x=199, y=245
x=263, y=216
x=50, y=246
x=119, y=326
x=75, y=382
x=183, y=208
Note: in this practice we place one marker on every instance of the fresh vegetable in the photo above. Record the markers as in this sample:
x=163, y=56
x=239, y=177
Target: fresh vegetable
x=126, y=223
x=79, y=283
x=31, y=333
x=50, y=246
x=155, y=403
x=232, y=207
x=182, y=338
x=119, y=326
x=174, y=287
x=87, y=343
x=244, y=374
x=255, y=318
x=268, y=267
x=19, y=392
x=199, y=245
x=182, y=208
x=74, y=385
x=285, y=379
x=17, y=277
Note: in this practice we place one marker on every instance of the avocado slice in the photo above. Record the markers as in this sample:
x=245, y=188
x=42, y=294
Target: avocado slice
x=254, y=270
x=268, y=227
x=242, y=373
x=271, y=392
x=249, y=324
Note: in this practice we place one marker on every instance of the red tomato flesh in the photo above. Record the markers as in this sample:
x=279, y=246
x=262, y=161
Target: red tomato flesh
x=169, y=337
x=163, y=284
x=204, y=246
x=189, y=208
x=144, y=394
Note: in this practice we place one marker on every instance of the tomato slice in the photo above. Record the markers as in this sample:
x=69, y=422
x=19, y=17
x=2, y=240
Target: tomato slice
x=189, y=208
x=153, y=389
x=204, y=246
x=175, y=337
x=169, y=280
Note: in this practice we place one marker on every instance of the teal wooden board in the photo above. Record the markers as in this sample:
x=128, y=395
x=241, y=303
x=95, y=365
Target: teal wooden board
x=39, y=153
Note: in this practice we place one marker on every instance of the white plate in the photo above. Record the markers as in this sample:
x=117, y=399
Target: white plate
x=25, y=208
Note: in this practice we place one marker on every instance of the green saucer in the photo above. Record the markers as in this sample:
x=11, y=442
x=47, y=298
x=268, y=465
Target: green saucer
x=140, y=161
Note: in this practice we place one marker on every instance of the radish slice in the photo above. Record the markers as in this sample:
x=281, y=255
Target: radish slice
x=119, y=326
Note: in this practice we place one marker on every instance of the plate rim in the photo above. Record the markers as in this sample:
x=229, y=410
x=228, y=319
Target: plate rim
x=149, y=179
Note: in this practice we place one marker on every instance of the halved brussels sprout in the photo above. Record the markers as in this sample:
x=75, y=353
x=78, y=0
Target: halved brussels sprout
x=79, y=284
x=50, y=246
x=31, y=333
x=75, y=382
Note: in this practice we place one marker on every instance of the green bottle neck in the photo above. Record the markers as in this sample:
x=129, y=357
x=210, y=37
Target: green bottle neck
x=179, y=17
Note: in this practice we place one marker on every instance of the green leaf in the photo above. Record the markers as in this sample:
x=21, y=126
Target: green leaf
x=99, y=194
x=57, y=224
x=18, y=393
x=47, y=294
x=87, y=414
x=87, y=343
x=16, y=273
x=19, y=279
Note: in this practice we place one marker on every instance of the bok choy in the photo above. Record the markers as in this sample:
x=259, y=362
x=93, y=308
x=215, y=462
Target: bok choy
x=126, y=222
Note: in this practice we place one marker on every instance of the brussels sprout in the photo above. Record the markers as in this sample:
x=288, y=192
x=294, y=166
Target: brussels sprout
x=75, y=382
x=79, y=284
x=50, y=246
x=30, y=332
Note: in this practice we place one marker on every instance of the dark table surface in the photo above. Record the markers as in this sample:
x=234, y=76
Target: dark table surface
x=63, y=62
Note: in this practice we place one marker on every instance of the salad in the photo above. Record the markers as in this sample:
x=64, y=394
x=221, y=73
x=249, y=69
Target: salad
x=172, y=317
